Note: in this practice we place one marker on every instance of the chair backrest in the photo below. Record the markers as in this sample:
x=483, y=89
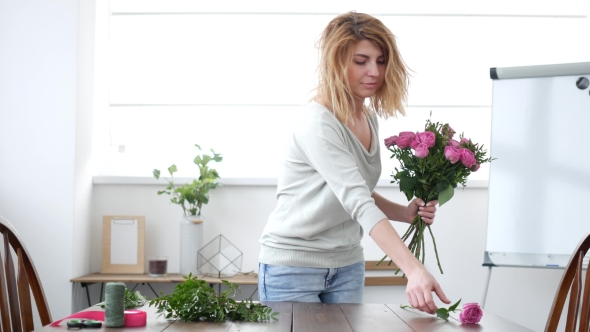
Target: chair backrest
x=17, y=281
x=572, y=280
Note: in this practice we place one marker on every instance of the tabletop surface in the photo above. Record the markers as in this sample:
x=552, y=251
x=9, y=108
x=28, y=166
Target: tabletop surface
x=299, y=317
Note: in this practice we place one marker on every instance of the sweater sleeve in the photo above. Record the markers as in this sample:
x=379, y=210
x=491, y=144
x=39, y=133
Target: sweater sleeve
x=324, y=145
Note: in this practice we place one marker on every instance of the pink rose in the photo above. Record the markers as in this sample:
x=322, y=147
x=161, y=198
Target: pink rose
x=404, y=139
x=390, y=141
x=452, y=153
x=454, y=143
x=427, y=138
x=471, y=313
x=467, y=158
x=476, y=167
x=421, y=150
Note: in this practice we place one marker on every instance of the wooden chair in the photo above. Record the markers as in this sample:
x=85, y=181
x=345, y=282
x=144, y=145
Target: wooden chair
x=17, y=283
x=572, y=280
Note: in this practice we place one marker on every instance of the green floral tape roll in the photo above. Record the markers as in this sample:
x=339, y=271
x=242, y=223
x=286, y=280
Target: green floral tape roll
x=114, y=304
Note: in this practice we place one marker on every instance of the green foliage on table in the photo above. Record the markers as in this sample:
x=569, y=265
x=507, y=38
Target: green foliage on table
x=194, y=300
x=195, y=194
x=132, y=300
x=442, y=313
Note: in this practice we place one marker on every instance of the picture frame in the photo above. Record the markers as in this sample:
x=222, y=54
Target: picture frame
x=123, y=240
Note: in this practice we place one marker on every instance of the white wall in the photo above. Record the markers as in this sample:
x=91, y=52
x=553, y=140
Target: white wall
x=44, y=187
x=38, y=49
x=83, y=149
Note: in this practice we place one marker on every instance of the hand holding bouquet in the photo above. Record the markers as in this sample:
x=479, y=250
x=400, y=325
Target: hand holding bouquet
x=432, y=163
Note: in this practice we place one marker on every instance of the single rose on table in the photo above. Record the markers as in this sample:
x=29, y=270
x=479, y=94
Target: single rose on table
x=471, y=313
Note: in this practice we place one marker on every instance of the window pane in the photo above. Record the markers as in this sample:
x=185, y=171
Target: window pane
x=250, y=139
x=213, y=59
x=271, y=59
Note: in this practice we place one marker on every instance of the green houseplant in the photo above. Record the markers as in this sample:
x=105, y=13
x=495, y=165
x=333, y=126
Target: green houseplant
x=192, y=196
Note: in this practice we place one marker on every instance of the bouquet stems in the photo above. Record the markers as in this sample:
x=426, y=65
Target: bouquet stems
x=417, y=243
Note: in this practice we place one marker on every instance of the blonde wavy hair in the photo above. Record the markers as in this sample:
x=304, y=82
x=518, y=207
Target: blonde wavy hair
x=336, y=46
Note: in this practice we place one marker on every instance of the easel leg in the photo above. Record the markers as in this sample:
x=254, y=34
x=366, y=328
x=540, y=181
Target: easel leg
x=150, y=286
x=485, y=292
x=254, y=292
x=85, y=285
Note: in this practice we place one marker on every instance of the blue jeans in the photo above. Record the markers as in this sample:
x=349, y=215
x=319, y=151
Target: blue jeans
x=305, y=284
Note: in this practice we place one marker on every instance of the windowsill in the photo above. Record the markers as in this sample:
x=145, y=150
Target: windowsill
x=271, y=182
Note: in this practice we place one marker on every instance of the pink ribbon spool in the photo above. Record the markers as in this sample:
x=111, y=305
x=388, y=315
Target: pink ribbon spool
x=133, y=318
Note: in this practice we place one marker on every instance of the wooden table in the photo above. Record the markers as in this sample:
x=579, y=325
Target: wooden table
x=89, y=279
x=300, y=317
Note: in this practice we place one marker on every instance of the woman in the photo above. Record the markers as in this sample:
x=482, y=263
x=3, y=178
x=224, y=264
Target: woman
x=311, y=248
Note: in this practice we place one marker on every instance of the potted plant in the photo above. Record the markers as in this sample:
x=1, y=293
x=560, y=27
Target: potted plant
x=191, y=197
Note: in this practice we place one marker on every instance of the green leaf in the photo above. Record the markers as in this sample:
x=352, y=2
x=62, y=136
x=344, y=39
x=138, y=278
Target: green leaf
x=454, y=306
x=156, y=174
x=442, y=313
x=407, y=184
x=206, y=159
x=441, y=186
x=216, y=156
x=130, y=300
x=446, y=195
x=406, y=159
x=172, y=169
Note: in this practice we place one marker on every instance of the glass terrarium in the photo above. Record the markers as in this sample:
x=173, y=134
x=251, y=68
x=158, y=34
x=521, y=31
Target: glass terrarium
x=219, y=258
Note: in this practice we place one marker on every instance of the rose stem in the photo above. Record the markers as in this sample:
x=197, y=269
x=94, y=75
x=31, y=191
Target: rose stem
x=419, y=241
x=423, y=251
x=435, y=251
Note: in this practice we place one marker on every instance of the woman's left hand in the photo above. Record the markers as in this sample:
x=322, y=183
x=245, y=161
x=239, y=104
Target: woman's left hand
x=418, y=207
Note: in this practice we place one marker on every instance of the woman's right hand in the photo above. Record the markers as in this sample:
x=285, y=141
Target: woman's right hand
x=421, y=283
x=419, y=290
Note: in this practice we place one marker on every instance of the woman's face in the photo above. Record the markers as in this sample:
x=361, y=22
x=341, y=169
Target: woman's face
x=367, y=69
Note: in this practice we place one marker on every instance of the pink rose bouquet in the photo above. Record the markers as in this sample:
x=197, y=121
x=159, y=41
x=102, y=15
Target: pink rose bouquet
x=432, y=164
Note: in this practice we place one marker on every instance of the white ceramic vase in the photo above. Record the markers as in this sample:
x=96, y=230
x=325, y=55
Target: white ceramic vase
x=191, y=241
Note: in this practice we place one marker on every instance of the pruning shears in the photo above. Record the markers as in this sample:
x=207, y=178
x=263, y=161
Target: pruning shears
x=84, y=323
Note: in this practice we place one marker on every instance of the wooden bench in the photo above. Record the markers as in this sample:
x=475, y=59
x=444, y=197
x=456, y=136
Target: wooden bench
x=383, y=280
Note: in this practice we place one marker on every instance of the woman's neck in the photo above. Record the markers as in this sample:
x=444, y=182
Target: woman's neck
x=359, y=104
x=358, y=107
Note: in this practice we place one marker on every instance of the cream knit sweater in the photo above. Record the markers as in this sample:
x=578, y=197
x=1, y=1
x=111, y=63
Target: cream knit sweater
x=324, y=195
